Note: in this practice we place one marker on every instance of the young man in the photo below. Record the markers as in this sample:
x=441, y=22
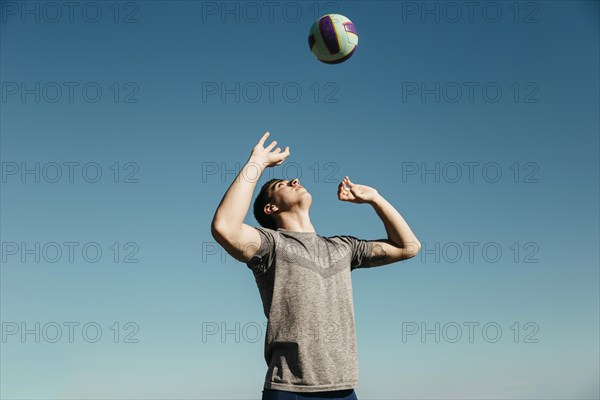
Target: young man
x=304, y=278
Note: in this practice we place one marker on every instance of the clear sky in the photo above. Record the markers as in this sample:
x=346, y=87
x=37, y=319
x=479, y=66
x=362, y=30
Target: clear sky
x=123, y=124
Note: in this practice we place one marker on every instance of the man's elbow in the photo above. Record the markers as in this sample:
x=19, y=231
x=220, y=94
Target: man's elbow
x=223, y=232
x=217, y=231
x=412, y=249
x=219, y=224
x=213, y=230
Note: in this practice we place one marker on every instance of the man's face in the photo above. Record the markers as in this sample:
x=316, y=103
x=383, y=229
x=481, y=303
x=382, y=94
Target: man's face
x=287, y=194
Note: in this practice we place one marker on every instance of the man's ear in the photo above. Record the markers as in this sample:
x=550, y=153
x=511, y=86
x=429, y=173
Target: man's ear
x=270, y=209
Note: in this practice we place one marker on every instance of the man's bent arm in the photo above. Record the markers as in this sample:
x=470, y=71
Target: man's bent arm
x=396, y=227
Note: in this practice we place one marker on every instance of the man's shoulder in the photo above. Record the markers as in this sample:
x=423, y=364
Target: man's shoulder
x=268, y=234
x=342, y=238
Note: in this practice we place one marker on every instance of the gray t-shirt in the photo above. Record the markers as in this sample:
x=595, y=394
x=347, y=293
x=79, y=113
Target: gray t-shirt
x=306, y=290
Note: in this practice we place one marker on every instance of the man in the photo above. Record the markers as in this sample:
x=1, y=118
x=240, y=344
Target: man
x=304, y=278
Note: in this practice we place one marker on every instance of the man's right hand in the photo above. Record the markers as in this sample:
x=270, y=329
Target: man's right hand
x=266, y=156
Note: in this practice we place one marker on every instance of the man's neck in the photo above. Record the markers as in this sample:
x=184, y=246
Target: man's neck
x=301, y=224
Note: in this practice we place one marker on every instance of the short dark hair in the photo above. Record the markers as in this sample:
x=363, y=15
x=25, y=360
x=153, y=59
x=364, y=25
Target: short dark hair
x=265, y=196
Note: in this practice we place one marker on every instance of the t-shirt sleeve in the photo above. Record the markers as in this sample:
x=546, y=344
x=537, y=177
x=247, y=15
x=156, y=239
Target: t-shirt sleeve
x=265, y=255
x=360, y=251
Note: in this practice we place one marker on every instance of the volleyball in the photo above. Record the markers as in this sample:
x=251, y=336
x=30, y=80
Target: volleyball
x=333, y=39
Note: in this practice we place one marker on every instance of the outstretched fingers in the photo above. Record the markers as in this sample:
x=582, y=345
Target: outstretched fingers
x=263, y=138
x=282, y=155
x=270, y=147
x=285, y=153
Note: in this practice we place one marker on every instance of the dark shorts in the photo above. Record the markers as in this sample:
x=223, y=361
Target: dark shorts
x=273, y=394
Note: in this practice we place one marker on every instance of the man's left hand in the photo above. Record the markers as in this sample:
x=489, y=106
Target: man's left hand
x=356, y=193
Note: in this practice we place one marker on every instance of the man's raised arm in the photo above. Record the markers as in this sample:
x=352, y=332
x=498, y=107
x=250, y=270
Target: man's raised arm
x=401, y=242
x=228, y=226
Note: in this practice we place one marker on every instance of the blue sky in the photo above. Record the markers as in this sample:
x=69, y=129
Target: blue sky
x=123, y=124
